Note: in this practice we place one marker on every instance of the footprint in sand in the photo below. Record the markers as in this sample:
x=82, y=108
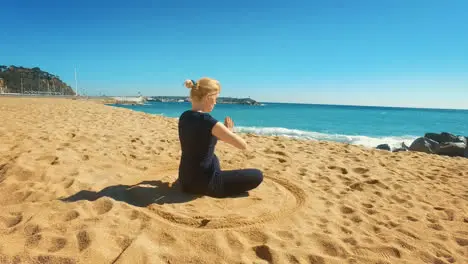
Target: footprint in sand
x=57, y=244
x=68, y=183
x=11, y=220
x=281, y=156
x=462, y=242
x=441, y=251
x=33, y=240
x=350, y=240
x=446, y=214
x=22, y=174
x=405, y=245
x=346, y=230
x=359, y=186
x=356, y=219
x=84, y=240
x=71, y=216
x=360, y=170
x=429, y=258
x=347, y=210
x=340, y=169
x=3, y=170
x=408, y=233
x=328, y=246
x=398, y=199
x=286, y=235
x=52, y=160
x=103, y=205
x=371, y=211
x=71, y=135
x=302, y=171
x=32, y=229
x=53, y=259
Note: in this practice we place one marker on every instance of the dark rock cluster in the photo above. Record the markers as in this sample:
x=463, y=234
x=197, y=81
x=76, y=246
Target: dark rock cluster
x=441, y=144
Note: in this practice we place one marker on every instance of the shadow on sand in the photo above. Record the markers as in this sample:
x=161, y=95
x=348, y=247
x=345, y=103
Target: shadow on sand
x=141, y=194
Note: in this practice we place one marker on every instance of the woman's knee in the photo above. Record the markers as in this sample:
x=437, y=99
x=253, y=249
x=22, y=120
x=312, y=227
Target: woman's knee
x=257, y=176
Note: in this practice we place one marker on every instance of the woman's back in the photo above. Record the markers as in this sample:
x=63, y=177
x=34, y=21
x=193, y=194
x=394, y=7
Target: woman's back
x=198, y=162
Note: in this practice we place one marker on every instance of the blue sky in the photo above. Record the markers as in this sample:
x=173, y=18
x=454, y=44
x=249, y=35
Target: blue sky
x=395, y=53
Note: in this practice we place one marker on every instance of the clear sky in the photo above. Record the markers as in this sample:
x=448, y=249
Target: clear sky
x=398, y=53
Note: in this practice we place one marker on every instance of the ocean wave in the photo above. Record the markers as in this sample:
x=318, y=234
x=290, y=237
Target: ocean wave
x=366, y=141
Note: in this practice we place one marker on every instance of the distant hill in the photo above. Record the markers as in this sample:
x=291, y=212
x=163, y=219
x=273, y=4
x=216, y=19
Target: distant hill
x=34, y=80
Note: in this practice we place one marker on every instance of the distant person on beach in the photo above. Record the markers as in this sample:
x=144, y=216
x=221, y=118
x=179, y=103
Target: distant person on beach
x=199, y=169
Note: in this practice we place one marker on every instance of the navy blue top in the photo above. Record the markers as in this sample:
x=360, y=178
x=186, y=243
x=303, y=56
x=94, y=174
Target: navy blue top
x=198, y=162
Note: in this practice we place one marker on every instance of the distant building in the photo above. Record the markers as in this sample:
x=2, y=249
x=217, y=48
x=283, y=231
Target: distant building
x=3, y=88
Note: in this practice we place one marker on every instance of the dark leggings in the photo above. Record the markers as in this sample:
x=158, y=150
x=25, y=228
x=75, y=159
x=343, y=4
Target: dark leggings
x=234, y=182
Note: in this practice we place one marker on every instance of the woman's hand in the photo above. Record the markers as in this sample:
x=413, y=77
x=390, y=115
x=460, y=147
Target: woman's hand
x=224, y=133
x=229, y=123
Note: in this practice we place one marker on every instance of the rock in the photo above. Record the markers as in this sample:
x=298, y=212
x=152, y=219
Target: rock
x=453, y=149
x=463, y=139
x=434, y=136
x=426, y=145
x=384, y=147
x=402, y=148
x=449, y=144
x=445, y=137
x=403, y=145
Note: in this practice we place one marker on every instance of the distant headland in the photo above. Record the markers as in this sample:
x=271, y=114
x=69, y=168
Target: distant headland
x=17, y=80
x=221, y=100
x=33, y=81
x=140, y=100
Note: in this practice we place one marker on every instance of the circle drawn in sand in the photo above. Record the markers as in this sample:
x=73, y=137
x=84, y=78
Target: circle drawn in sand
x=273, y=199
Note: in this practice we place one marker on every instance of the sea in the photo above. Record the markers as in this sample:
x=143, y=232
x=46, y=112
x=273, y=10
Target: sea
x=361, y=125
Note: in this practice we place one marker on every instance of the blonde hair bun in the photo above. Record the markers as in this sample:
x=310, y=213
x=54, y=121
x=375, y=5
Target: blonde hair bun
x=202, y=87
x=189, y=84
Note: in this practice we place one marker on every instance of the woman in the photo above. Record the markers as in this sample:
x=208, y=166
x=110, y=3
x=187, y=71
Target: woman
x=199, y=169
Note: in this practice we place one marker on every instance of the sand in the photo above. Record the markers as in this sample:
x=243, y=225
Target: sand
x=82, y=182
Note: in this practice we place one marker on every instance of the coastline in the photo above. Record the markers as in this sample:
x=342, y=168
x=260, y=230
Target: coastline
x=390, y=143
x=394, y=143
x=85, y=182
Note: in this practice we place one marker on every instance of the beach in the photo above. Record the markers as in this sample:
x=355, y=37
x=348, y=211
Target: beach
x=84, y=182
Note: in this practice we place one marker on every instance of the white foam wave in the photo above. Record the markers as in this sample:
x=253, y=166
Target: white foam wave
x=371, y=142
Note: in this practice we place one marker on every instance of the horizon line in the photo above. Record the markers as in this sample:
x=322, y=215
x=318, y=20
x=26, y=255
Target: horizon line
x=304, y=103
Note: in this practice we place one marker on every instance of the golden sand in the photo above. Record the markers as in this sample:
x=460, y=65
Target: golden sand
x=82, y=182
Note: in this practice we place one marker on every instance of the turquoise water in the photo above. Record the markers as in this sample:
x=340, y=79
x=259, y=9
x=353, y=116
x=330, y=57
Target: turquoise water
x=368, y=126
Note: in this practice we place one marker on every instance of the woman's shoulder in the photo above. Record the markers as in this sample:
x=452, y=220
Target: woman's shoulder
x=190, y=116
x=195, y=113
x=185, y=113
x=192, y=113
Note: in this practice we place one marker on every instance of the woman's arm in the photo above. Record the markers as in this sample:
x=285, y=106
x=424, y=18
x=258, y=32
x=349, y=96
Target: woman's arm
x=223, y=133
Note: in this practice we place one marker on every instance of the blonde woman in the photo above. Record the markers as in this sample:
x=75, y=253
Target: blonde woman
x=199, y=168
